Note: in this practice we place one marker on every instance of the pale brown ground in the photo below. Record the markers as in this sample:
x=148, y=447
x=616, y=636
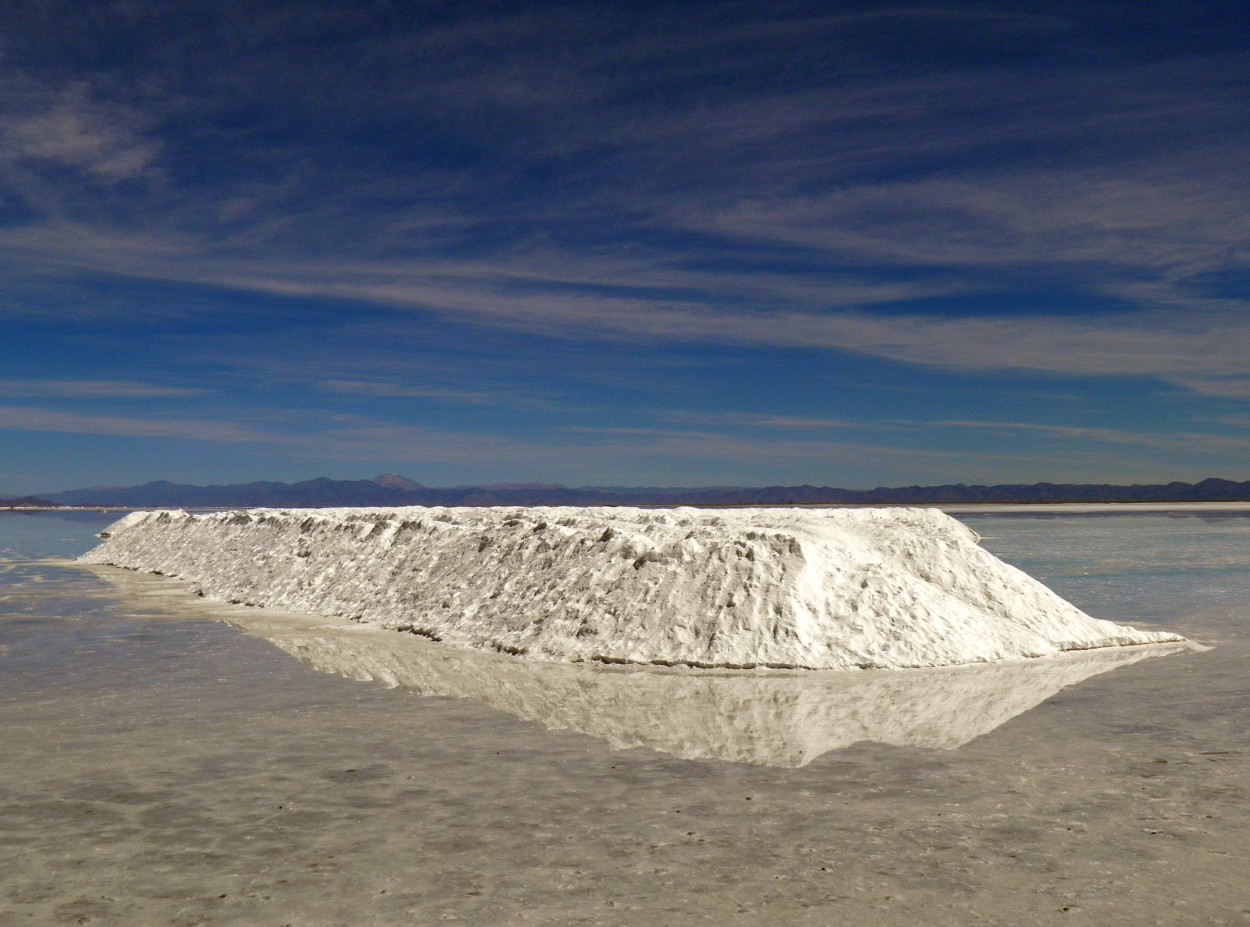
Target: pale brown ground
x=159, y=771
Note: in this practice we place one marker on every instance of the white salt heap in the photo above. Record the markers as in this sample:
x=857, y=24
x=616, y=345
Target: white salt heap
x=819, y=589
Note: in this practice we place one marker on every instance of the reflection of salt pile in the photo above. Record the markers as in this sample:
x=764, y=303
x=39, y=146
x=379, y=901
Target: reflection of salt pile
x=774, y=718
x=882, y=588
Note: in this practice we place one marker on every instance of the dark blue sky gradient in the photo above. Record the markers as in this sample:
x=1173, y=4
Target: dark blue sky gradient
x=624, y=243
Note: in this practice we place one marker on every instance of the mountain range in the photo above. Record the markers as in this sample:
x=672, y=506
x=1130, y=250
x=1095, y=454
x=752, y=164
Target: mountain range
x=393, y=490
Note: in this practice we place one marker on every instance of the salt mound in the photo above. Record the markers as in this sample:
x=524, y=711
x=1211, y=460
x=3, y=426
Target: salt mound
x=819, y=589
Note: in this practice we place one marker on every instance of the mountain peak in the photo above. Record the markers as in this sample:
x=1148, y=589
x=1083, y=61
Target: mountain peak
x=395, y=481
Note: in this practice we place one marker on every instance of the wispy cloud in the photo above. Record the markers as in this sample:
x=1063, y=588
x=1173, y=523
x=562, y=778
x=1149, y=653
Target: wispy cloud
x=1186, y=440
x=1005, y=198
x=1200, y=352
x=69, y=128
x=649, y=451
x=1206, y=351
x=767, y=212
x=385, y=390
x=93, y=389
x=909, y=432
x=1105, y=226
x=1131, y=344
x=1218, y=387
x=23, y=418
x=768, y=422
x=858, y=171
x=589, y=454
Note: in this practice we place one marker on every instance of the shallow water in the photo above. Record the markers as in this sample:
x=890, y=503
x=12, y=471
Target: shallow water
x=163, y=768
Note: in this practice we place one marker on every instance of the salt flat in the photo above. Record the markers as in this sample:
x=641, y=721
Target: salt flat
x=159, y=769
x=1096, y=508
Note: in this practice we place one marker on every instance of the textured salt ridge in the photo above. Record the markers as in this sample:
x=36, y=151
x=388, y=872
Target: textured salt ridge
x=818, y=589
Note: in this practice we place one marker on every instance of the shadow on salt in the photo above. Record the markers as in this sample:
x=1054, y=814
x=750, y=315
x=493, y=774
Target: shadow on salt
x=772, y=718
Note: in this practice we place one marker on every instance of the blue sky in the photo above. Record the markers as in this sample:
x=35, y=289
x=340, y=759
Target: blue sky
x=624, y=243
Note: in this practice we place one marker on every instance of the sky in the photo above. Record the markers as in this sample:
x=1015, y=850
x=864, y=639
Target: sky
x=596, y=243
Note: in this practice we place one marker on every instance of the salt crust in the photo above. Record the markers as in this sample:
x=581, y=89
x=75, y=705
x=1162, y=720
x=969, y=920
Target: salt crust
x=734, y=588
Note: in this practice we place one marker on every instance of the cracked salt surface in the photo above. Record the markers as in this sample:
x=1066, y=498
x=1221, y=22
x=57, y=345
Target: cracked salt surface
x=741, y=588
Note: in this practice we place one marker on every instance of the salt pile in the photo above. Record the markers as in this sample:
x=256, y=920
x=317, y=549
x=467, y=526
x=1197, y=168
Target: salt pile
x=817, y=589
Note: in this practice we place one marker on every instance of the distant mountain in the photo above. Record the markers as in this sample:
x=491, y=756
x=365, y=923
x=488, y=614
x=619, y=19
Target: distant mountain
x=25, y=502
x=395, y=481
x=391, y=490
x=318, y=493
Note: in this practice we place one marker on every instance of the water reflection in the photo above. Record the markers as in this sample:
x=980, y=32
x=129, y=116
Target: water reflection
x=769, y=718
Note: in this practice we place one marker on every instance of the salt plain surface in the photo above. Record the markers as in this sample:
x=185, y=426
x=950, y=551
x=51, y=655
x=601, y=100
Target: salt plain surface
x=159, y=769
x=738, y=588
